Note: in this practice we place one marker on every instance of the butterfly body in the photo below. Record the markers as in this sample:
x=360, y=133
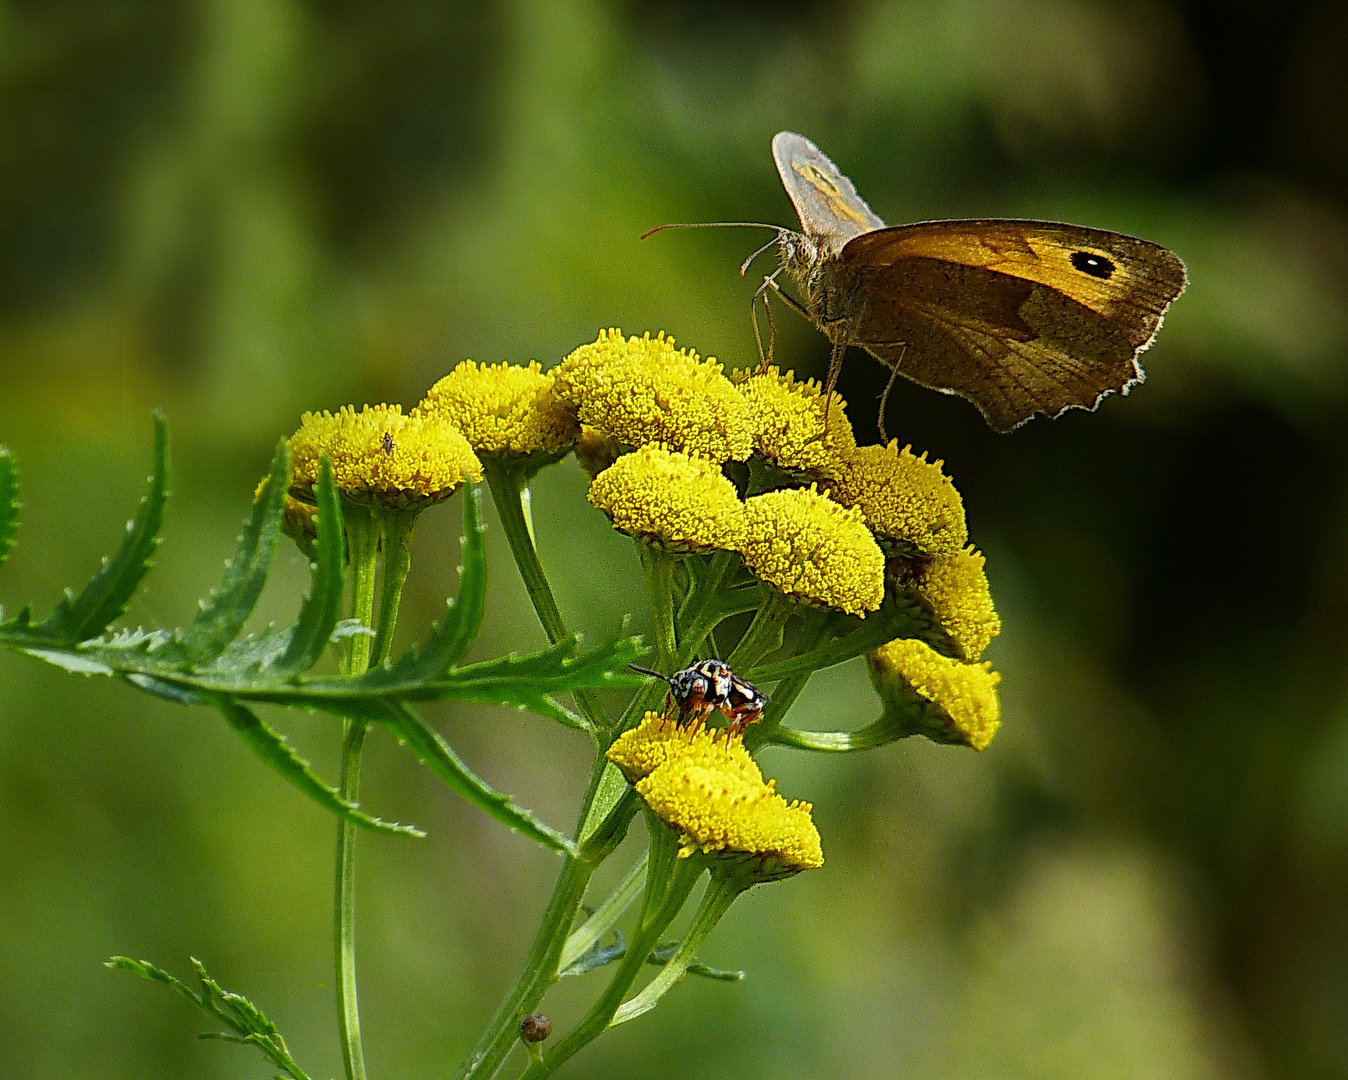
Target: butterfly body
x=1018, y=317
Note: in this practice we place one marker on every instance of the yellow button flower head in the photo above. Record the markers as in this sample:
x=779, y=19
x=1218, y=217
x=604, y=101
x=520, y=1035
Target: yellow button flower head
x=380, y=456
x=903, y=497
x=956, y=587
x=704, y=785
x=809, y=547
x=945, y=700
x=656, y=741
x=504, y=410
x=788, y=420
x=678, y=502
x=643, y=390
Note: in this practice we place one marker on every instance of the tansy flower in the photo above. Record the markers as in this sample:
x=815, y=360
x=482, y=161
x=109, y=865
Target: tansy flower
x=948, y=701
x=656, y=741
x=679, y=502
x=788, y=419
x=704, y=785
x=643, y=390
x=809, y=547
x=903, y=497
x=504, y=410
x=956, y=587
x=380, y=456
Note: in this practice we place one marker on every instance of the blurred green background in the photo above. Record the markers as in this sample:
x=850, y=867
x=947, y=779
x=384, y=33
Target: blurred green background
x=241, y=209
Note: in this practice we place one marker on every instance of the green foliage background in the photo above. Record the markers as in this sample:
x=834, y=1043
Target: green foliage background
x=241, y=209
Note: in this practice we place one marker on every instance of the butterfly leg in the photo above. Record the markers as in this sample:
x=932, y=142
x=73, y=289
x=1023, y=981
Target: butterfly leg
x=884, y=398
x=762, y=292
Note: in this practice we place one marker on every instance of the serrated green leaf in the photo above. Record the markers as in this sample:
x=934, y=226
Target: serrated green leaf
x=9, y=501
x=525, y=682
x=432, y=751
x=79, y=618
x=451, y=636
x=529, y=681
x=222, y=617
x=323, y=606
x=268, y=745
x=248, y=1023
x=165, y=690
x=17, y=629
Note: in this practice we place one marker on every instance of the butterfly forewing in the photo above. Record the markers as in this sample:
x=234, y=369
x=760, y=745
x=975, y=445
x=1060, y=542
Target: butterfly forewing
x=830, y=210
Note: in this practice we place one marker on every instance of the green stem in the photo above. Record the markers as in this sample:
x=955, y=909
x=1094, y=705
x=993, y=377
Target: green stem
x=765, y=632
x=784, y=694
x=702, y=607
x=669, y=880
x=586, y=937
x=658, y=566
x=362, y=540
x=721, y=893
x=397, y=545
x=362, y=534
x=507, y=487
x=536, y=976
x=348, y=1009
x=541, y=965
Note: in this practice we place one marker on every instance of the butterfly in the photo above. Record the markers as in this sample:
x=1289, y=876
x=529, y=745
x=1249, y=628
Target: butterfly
x=1019, y=317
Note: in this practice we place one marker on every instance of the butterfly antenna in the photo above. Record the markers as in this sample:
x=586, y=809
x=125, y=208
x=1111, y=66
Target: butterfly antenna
x=711, y=225
x=647, y=671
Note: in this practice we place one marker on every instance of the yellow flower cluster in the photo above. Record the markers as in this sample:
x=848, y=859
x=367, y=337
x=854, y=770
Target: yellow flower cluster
x=671, y=500
x=704, y=785
x=645, y=391
x=818, y=544
x=809, y=547
x=946, y=700
x=504, y=410
x=788, y=422
x=957, y=589
x=380, y=456
x=904, y=498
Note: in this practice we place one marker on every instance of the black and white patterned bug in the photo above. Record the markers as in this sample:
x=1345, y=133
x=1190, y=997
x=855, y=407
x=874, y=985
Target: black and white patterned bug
x=708, y=685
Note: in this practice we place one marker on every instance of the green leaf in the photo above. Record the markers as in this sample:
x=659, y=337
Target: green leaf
x=222, y=617
x=596, y=957
x=9, y=501
x=662, y=954
x=528, y=681
x=323, y=606
x=452, y=635
x=437, y=755
x=247, y=1023
x=79, y=618
x=268, y=745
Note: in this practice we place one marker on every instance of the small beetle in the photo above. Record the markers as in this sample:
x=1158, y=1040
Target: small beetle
x=708, y=685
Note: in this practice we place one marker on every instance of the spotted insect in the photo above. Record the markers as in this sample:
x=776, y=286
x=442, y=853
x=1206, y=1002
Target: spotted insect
x=708, y=685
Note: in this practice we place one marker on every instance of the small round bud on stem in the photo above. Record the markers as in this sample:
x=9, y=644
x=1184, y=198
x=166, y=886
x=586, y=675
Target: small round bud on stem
x=535, y=1027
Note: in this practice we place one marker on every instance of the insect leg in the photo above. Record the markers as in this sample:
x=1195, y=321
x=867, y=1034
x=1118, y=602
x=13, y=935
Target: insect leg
x=742, y=720
x=884, y=397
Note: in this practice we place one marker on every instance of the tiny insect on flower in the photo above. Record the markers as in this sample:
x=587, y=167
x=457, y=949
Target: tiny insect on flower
x=707, y=685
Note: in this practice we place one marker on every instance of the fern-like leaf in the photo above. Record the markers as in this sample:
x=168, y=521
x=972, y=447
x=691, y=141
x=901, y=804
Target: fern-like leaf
x=79, y=618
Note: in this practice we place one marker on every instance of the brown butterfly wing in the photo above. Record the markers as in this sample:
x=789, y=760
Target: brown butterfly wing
x=1019, y=317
